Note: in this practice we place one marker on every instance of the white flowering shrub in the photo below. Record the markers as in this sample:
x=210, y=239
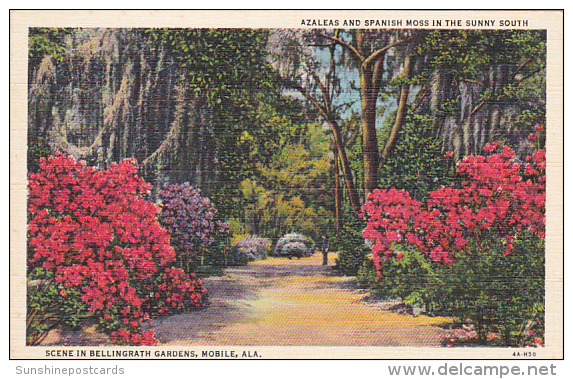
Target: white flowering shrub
x=294, y=245
x=252, y=248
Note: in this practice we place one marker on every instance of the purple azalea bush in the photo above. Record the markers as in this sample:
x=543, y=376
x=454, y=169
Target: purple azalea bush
x=191, y=220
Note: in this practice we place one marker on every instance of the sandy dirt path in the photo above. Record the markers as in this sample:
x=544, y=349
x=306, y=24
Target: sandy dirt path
x=293, y=302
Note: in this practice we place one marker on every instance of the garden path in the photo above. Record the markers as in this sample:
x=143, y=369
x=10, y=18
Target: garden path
x=281, y=302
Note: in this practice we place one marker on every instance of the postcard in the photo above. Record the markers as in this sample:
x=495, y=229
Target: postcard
x=286, y=184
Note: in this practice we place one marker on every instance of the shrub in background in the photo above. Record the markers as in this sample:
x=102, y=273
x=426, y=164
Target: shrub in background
x=350, y=245
x=294, y=245
x=95, y=240
x=252, y=248
x=406, y=279
x=190, y=218
x=294, y=249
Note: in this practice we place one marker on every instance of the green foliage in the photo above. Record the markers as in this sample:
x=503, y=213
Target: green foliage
x=495, y=293
x=47, y=308
x=46, y=41
x=291, y=193
x=532, y=116
x=272, y=213
x=350, y=259
x=252, y=119
x=250, y=137
x=217, y=259
x=469, y=53
x=224, y=62
x=368, y=278
x=417, y=163
x=350, y=245
x=483, y=287
x=37, y=148
x=407, y=279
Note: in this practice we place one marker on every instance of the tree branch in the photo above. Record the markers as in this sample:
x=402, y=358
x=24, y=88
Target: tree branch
x=304, y=91
x=380, y=52
x=515, y=82
x=325, y=93
x=321, y=44
x=345, y=44
x=528, y=75
x=400, y=113
x=521, y=66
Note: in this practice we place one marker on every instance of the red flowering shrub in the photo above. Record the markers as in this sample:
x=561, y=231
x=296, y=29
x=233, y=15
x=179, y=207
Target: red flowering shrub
x=500, y=198
x=473, y=237
x=97, y=237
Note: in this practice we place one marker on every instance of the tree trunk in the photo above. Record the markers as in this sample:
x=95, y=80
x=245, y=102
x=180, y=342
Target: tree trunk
x=337, y=193
x=401, y=112
x=370, y=64
x=369, y=137
x=346, y=169
x=324, y=109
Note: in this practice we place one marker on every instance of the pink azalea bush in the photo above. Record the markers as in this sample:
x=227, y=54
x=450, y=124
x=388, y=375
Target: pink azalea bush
x=92, y=235
x=488, y=229
x=500, y=197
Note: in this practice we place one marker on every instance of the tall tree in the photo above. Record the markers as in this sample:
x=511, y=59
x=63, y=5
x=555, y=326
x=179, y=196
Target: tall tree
x=368, y=49
x=309, y=66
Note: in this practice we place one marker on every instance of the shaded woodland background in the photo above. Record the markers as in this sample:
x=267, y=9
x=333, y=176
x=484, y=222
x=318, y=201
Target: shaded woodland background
x=285, y=130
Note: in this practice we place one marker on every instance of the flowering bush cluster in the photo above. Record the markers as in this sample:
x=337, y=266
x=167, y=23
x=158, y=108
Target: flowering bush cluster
x=501, y=197
x=100, y=240
x=459, y=247
x=191, y=220
x=468, y=336
x=534, y=335
x=463, y=336
x=294, y=245
x=253, y=247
